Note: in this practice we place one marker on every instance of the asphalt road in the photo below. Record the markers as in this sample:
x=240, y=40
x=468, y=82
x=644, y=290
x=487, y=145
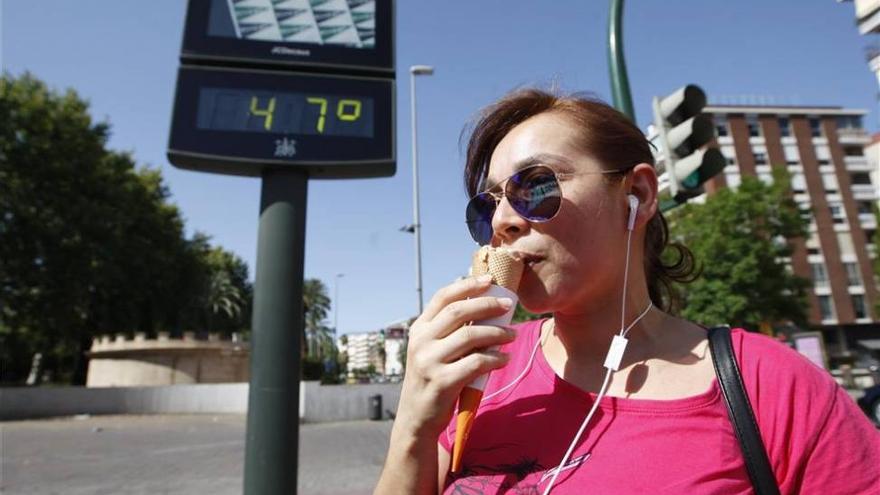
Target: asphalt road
x=171, y=454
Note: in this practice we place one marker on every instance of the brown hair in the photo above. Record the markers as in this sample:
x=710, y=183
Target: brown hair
x=607, y=136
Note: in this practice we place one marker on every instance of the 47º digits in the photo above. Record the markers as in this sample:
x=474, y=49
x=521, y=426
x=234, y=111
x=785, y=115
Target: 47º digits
x=347, y=110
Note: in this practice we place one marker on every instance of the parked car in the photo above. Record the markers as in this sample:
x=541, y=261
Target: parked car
x=870, y=403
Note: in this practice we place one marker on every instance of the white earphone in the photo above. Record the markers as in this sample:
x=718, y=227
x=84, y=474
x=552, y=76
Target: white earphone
x=633, y=211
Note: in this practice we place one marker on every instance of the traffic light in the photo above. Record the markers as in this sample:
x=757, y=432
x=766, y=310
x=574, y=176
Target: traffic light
x=685, y=135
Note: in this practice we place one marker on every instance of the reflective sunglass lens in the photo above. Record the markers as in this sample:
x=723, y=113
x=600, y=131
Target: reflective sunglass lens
x=478, y=214
x=534, y=193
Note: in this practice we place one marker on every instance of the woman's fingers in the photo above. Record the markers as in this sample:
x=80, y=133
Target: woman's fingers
x=468, y=339
x=456, y=291
x=458, y=313
x=468, y=368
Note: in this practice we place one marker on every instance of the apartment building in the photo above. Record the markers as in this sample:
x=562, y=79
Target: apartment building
x=868, y=22
x=872, y=153
x=365, y=349
x=824, y=150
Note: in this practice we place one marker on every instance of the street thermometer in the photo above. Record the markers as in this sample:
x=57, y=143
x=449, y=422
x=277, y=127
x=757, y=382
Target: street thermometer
x=285, y=90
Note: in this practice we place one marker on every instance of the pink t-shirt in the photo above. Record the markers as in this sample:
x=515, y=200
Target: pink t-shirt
x=817, y=438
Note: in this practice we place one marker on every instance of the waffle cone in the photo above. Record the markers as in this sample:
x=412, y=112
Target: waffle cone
x=468, y=402
x=505, y=266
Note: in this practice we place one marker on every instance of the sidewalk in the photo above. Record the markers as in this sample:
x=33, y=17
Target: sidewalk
x=176, y=455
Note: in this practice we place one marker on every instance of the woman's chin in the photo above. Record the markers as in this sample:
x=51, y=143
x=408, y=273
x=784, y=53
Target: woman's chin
x=537, y=303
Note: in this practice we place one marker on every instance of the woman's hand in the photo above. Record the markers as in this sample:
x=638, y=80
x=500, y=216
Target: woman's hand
x=445, y=354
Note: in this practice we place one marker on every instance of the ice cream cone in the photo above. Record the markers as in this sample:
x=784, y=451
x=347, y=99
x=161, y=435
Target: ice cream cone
x=506, y=269
x=468, y=403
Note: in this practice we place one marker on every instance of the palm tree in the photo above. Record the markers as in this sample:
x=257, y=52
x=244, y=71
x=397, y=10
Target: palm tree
x=223, y=296
x=316, y=306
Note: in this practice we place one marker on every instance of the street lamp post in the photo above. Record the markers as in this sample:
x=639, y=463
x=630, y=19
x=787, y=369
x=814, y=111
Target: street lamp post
x=417, y=70
x=336, y=303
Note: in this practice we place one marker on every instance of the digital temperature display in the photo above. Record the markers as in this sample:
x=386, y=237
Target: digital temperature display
x=231, y=109
x=243, y=121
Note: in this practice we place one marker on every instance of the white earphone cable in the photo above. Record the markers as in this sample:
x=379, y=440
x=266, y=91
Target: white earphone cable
x=603, y=389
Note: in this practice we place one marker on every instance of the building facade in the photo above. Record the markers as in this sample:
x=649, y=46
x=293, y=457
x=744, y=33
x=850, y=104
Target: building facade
x=365, y=350
x=872, y=153
x=868, y=22
x=823, y=148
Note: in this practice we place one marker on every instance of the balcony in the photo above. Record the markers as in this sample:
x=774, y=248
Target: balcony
x=868, y=16
x=867, y=221
x=857, y=164
x=853, y=135
x=864, y=192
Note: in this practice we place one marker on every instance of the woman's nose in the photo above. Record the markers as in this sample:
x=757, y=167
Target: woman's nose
x=507, y=225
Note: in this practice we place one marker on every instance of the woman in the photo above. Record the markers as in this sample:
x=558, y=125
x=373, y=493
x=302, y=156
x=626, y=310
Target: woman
x=593, y=261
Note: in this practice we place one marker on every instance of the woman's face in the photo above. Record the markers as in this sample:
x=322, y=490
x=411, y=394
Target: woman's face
x=577, y=257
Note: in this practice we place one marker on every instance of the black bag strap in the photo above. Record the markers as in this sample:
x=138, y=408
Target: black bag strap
x=740, y=412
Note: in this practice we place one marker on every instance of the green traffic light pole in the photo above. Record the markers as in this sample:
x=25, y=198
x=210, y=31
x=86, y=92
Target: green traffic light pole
x=620, y=91
x=616, y=64
x=272, y=443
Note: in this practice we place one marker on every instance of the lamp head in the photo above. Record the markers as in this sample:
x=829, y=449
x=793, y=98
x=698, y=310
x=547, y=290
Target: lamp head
x=421, y=70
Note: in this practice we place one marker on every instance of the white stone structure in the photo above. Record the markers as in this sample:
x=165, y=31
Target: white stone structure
x=120, y=362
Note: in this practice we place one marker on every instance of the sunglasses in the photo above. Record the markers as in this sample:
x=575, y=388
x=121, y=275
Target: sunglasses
x=533, y=193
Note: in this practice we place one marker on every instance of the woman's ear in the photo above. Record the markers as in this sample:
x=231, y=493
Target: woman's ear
x=643, y=185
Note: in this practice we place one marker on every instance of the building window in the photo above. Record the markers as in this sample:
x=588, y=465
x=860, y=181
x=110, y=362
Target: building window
x=754, y=125
x=849, y=122
x=853, y=151
x=784, y=127
x=864, y=207
x=815, y=127
x=721, y=125
x=852, y=274
x=826, y=308
x=837, y=214
x=760, y=158
x=859, y=308
x=806, y=213
x=861, y=178
x=820, y=276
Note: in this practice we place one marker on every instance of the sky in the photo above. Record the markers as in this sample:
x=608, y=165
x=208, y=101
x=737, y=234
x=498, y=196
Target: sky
x=122, y=56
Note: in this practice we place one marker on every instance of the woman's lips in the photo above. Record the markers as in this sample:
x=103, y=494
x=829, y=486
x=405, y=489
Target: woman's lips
x=532, y=260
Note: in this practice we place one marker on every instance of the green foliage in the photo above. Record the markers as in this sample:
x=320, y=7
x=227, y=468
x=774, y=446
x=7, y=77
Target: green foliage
x=89, y=242
x=521, y=314
x=740, y=239
x=312, y=368
x=317, y=337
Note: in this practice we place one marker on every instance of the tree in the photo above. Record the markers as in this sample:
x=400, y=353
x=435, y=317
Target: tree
x=741, y=238
x=316, y=306
x=89, y=242
x=224, y=294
